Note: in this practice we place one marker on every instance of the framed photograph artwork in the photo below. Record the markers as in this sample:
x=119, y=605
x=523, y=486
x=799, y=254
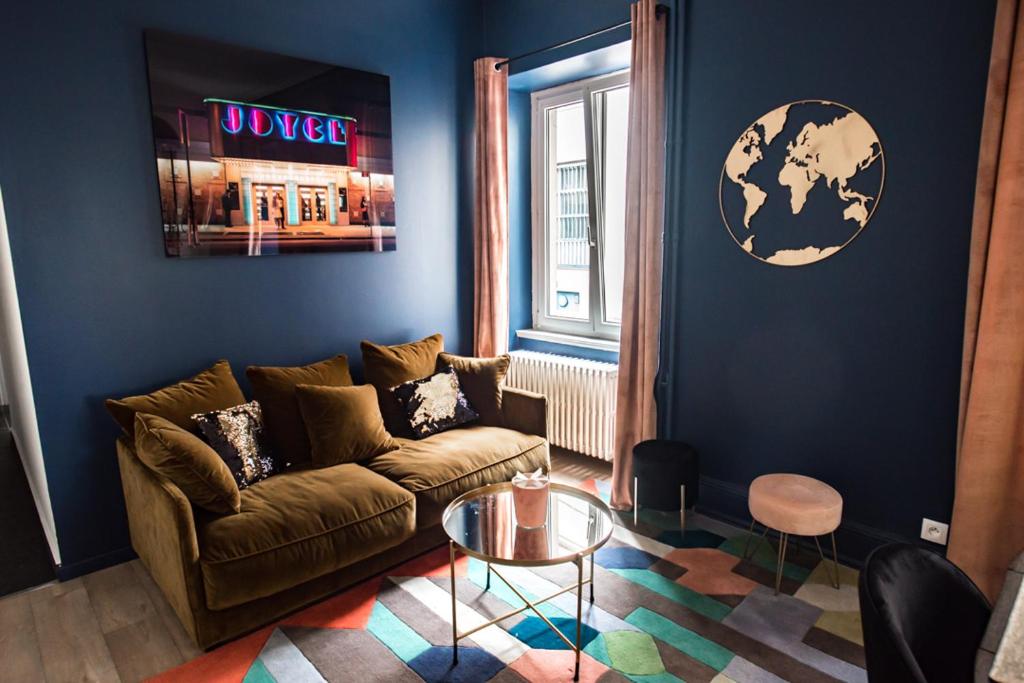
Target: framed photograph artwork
x=259, y=153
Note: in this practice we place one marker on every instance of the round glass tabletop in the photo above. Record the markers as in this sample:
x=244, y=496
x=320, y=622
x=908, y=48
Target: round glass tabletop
x=483, y=523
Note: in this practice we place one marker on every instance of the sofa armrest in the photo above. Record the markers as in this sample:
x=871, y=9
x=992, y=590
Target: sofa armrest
x=163, y=533
x=525, y=411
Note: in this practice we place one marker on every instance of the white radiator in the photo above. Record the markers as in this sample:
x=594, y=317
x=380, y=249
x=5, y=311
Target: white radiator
x=581, y=398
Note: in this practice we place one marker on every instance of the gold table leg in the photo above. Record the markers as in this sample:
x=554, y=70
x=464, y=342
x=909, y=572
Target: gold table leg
x=579, y=612
x=455, y=628
x=528, y=604
x=592, y=576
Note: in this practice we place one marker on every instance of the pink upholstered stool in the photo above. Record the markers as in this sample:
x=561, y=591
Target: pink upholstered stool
x=793, y=504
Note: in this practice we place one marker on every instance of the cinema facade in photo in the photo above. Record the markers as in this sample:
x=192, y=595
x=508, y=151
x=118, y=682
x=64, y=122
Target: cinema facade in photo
x=261, y=154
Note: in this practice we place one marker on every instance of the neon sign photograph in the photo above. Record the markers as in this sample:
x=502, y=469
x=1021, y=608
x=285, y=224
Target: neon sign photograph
x=299, y=161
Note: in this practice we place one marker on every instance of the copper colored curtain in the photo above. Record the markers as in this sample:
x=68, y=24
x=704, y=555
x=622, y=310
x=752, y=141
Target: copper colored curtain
x=987, y=529
x=490, y=210
x=636, y=413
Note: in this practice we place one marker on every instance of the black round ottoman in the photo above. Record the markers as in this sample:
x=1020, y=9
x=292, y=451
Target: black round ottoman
x=665, y=476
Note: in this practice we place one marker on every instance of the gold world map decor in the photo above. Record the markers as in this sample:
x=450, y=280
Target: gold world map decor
x=801, y=182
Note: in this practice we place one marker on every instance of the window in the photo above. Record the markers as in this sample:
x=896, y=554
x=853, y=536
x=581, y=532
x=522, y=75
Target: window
x=579, y=198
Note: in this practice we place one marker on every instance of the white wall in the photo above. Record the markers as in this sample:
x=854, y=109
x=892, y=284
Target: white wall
x=18, y=389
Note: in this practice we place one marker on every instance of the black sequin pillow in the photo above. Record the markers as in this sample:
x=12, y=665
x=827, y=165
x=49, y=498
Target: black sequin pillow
x=237, y=435
x=434, y=404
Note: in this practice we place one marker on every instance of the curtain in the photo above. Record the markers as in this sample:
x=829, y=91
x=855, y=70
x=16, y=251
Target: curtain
x=490, y=210
x=636, y=412
x=987, y=529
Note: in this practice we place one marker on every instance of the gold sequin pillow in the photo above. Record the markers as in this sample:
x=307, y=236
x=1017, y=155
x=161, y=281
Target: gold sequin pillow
x=434, y=404
x=238, y=437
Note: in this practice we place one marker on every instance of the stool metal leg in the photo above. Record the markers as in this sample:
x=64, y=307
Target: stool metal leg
x=783, y=542
x=833, y=577
x=760, y=540
x=682, y=506
x=636, y=500
x=835, y=558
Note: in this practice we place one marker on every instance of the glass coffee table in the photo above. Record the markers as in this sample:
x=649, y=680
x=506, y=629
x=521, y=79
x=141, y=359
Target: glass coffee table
x=482, y=524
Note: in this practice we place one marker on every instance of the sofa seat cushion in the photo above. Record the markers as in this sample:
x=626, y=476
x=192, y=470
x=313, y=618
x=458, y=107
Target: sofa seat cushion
x=297, y=526
x=444, y=466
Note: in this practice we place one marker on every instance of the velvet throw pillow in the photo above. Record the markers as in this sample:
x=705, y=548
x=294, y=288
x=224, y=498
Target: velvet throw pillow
x=481, y=380
x=434, y=404
x=188, y=462
x=212, y=389
x=274, y=388
x=237, y=435
x=344, y=424
x=389, y=366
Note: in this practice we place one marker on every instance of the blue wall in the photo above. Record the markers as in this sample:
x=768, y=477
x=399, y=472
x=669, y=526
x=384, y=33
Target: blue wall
x=848, y=369
x=106, y=314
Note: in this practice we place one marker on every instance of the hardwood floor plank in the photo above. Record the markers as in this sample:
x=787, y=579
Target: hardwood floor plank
x=70, y=641
x=143, y=649
x=19, y=649
x=117, y=597
x=52, y=590
x=179, y=635
x=572, y=468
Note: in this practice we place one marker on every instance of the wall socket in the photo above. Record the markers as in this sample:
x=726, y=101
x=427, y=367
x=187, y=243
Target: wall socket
x=933, y=531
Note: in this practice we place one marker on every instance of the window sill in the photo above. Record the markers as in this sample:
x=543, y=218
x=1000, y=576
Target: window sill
x=611, y=345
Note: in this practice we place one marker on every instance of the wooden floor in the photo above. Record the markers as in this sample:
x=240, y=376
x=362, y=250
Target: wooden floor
x=115, y=625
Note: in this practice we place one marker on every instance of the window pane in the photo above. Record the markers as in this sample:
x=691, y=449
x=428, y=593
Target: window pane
x=569, y=245
x=616, y=111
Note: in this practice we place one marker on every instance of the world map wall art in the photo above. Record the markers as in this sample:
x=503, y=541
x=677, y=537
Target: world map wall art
x=801, y=182
x=259, y=153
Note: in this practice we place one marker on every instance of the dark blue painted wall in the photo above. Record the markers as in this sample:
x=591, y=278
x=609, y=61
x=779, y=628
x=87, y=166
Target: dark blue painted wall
x=848, y=369
x=105, y=313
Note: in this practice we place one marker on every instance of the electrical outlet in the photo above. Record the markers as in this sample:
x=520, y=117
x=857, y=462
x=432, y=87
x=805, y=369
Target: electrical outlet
x=933, y=531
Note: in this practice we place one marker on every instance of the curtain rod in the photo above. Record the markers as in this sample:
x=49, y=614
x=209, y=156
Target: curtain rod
x=659, y=9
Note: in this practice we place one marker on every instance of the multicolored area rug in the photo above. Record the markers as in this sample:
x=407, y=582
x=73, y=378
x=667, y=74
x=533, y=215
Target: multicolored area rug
x=671, y=605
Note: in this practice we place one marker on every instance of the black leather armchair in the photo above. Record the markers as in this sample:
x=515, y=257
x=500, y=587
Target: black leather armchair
x=923, y=618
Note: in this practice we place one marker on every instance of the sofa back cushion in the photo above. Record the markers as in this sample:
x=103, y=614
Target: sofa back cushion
x=212, y=389
x=343, y=423
x=274, y=388
x=388, y=366
x=481, y=380
x=188, y=462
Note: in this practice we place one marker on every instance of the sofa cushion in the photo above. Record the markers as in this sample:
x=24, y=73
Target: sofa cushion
x=389, y=366
x=297, y=526
x=188, y=462
x=481, y=380
x=343, y=423
x=441, y=467
x=212, y=389
x=274, y=388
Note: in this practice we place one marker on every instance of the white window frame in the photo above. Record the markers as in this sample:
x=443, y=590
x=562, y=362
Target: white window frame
x=595, y=332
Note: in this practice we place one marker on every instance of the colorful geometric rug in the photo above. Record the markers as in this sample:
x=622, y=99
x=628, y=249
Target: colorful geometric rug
x=671, y=605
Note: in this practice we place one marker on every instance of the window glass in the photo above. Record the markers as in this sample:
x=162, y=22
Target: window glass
x=579, y=198
x=616, y=121
x=569, y=242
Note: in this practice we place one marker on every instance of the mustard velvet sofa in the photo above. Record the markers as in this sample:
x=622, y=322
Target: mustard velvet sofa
x=307, y=533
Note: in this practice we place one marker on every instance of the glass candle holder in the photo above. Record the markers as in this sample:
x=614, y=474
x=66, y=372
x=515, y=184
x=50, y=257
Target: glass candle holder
x=530, y=499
